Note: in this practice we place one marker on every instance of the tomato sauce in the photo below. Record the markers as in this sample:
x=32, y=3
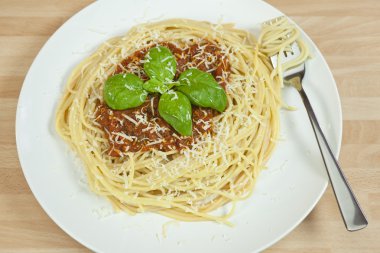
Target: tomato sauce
x=142, y=128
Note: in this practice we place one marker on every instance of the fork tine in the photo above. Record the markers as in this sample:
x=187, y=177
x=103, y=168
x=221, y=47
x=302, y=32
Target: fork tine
x=294, y=53
x=273, y=20
x=295, y=48
x=298, y=70
x=274, y=60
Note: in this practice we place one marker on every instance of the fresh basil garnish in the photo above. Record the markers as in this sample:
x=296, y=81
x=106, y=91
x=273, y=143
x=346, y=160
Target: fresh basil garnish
x=202, y=89
x=124, y=91
x=154, y=85
x=175, y=108
x=160, y=64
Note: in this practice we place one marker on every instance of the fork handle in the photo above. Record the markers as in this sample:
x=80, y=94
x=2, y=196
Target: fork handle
x=350, y=210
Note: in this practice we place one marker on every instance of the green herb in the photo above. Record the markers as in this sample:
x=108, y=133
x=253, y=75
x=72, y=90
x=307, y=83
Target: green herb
x=124, y=91
x=202, y=89
x=175, y=108
x=154, y=85
x=160, y=64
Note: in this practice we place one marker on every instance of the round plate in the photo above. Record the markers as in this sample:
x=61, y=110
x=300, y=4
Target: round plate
x=285, y=193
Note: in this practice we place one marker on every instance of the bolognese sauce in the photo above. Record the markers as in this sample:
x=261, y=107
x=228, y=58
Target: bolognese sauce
x=142, y=128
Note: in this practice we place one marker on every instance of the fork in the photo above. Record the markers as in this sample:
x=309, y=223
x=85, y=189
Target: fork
x=349, y=207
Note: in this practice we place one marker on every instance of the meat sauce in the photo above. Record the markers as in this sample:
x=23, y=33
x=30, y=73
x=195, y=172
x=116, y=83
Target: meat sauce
x=142, y=128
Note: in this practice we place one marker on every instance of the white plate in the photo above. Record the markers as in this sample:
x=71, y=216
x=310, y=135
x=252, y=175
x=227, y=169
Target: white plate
x=285, y=193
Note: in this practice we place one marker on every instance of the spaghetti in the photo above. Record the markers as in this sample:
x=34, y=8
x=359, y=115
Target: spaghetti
x=220, y=166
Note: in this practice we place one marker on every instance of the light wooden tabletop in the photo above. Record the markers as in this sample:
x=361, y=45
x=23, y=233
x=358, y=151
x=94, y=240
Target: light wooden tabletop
x=348, y=34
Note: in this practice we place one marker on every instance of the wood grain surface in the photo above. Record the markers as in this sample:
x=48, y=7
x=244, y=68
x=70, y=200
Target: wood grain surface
x=348, y=34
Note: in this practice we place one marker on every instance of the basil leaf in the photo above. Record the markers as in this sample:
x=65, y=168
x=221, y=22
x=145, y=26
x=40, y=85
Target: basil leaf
x=202, y=89
x=124, y=91
x=154, y=85
x=160, y=64
x=175, y=108
x=172, y=84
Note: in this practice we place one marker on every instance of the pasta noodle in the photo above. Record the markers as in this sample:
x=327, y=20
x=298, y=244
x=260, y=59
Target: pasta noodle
x=218, y=168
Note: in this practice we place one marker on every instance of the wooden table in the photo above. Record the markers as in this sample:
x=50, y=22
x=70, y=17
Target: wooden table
x=348, y=34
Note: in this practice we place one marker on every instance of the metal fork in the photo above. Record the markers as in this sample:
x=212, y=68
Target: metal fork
x=350, y=210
